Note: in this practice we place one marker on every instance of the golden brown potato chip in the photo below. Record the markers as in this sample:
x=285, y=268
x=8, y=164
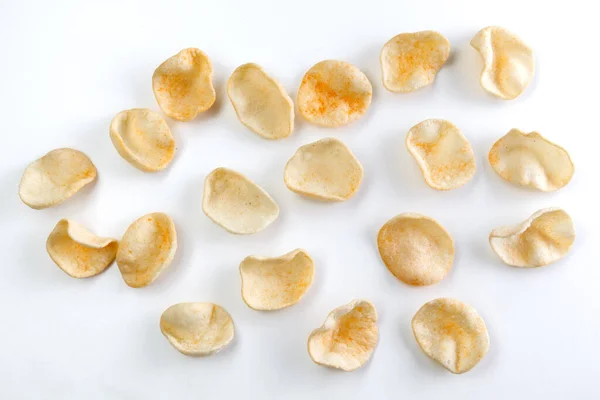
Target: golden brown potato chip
x=451, y=333
x=544, y=238
x=55, y=177
x=146, y=249
x=324, y=170
x=410, y=61
x=197, y=329
x=334, y=93
x=416, y=249
x=183, y=85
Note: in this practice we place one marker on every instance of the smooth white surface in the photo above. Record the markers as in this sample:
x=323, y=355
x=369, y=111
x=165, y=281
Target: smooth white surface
x=67, y=68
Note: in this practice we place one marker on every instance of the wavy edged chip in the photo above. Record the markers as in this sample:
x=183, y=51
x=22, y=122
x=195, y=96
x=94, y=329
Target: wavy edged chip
x=197, y=329
x=55, y=177
x=410, y=61
x=348, y=337
x=236, y=203
x=146, y=249
x=183, y=84
x=528, y=159
x=324, y=170
x=275, y=283
x=443, y=154
x=79, y=252
x=334, y=93
x=416, y=249
x=508, y=64
x=545, y=237
x=451, y=333
x=260, y=102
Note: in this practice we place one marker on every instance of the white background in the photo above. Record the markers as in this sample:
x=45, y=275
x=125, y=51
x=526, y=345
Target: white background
x=67, y=68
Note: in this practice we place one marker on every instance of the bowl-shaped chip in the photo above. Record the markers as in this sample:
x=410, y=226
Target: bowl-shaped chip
x=334, y=93
x=77, y=251
x=324, y=170
x=146, y=249
x=416, y=249
x=443, y=154
x=236, y=203
x=275, y=283
x=197, y=329
x=508, y=64
x=348, y=337
x=55, y=177
x=183, y=85
x=451, y=333
x=410, y=61
x=545, y=237
x=260, y=102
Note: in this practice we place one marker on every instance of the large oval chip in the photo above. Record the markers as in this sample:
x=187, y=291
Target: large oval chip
x=348, y=337
x=334, y=93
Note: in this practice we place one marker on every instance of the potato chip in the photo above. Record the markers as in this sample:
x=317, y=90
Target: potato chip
x=197, y=329
x=260, y=102
x=334, y=93
x=324, y=170
x=55, y=177
x=416, y=249
x=146, y=249
x=410, y=61
x=508, y=64
x=275, y=283
x=442, y=152
x=348, y=337
x=236, y=203
x=79, y=252
x=451, y=333
x=544, y=238
x=528, y=159
x=183, y=84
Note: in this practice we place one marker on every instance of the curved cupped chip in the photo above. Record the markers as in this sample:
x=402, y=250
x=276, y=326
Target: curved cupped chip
x=79, y=252
x=55, y=177
x=444, y=155
x=260, y=102
x=416, y=249
x=334, y=93
x=183, y=85
x=324, y=170
x=197, y=329
x=410, y=61
x=528, y=159
x=274, y=283
x=348, y=337
x=508, y=65
x=451, y=333
x=146, y=249
x=143, y=138
x=544, y=238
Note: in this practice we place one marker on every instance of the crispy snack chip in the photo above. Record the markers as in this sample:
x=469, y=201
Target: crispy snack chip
x=410, y=61
x=183, y=85
x=197, y=329
x=451, y=333
x=348, y=337
x=528, y=159
x=334, y=93
x=416, y=249
x=55, y=177
x=508, y=64
x=260, y=102
x=324, y=170
x=545, y=237
x=79, y=252
x=146, y=249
